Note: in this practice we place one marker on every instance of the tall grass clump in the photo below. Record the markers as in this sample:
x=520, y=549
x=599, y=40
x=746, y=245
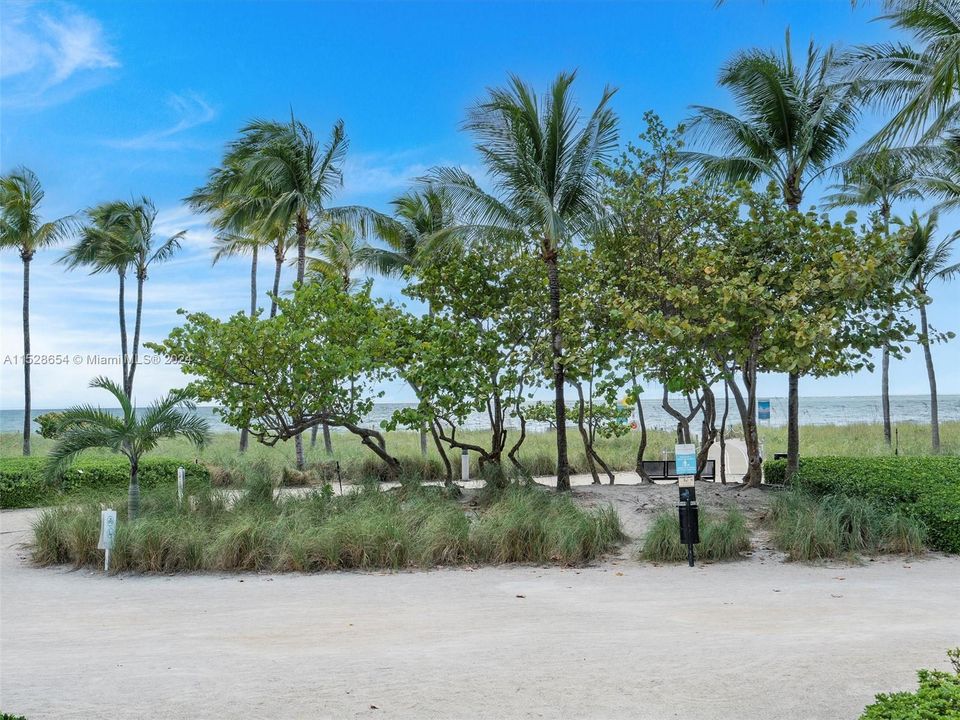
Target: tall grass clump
x=526, y=524
x=412, y=526
x=810, y=528
x=723, y=536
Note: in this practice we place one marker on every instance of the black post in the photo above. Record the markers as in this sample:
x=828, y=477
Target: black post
x=689, y=538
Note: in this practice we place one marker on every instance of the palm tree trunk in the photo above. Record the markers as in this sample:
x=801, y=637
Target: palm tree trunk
x=794, y=197
x=303, y=228
x=26, y=353
x=793, y=425
x=136, y=334
x=124, y=356
x=278, y=260
x=559, y=371
x=245, y=432
x=133, y=492
x=932, y=378
x=885, y=394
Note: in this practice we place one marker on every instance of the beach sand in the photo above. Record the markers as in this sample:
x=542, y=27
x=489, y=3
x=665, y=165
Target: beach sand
x=760, y=638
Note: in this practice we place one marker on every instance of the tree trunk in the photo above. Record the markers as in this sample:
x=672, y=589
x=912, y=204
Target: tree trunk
x=748, y=417
x=327, y=440
x=885, y=395
x=136, y=334
x=585, y=436
x=447, y=467
x=27, y=420
x=313, y=436
x=298, y=447
x=723, y=432
x=245, y=432
x=133, y=492
x=559, y=371
x=423, y=443
x=124, y=356
x=278, y=267
x=642, y=449
x=793, y=425
x=932, y=378
x=303, y=227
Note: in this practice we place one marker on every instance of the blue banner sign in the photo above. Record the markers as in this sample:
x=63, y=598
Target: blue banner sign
x=763, y=409
x=686, y=459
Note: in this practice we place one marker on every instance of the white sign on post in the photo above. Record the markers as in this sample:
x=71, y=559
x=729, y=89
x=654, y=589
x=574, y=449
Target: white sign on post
x=181, y=478
x=108, y=531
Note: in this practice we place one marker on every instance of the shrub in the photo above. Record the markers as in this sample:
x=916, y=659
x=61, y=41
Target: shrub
x=526, y=524
x=927, y=488
x=937, y=698
x=418, y=527
x=22, y=481
x=809, y=527
x=723, y=536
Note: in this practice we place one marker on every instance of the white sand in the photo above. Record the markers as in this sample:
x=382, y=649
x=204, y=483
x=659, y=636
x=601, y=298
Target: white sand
x=756, y=639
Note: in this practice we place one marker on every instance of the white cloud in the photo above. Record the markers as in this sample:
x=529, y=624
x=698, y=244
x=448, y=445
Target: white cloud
x=376, y=174
x=48, y=56
x=189, y=110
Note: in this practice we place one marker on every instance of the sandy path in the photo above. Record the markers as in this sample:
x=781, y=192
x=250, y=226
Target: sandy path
x=757, y=639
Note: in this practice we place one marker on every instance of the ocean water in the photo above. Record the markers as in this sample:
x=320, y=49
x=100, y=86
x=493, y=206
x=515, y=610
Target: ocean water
x=813, y=411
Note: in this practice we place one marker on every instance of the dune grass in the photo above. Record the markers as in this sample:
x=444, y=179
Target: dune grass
x=810, y=528
x=259, y=531
x=723, y=536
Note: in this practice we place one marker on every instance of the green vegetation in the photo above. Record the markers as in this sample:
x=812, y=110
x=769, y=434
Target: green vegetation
x=22, y=484
x=723, y=536
x=256, y=531
x=23, y=481
x=811, y=528
x=937, y=698
x=924, y=488
x=84, y=427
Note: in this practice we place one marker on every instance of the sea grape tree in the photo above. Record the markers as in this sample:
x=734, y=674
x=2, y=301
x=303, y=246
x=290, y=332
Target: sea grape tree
x=319, y=360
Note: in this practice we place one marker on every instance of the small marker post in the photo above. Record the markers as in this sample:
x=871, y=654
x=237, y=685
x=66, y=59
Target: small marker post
x=108, y=531
x=181, y=481
x=465, y=465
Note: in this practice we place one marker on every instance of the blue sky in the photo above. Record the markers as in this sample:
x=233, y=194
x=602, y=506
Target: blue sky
x=107, y=100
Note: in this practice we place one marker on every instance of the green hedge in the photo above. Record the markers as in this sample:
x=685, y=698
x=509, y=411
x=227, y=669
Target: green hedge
x=929, y=487
x=22, y=482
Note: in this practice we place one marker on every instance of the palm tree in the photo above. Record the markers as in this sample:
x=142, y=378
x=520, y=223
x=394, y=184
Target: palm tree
x=21, y=229
x=292, y=175
x=230, y=245
x=927, y=262
x=338, y=253
x=422, y=225
x=793, y=122
x=119, y=236
x=877, y=179
x=920, y=81
x=85, y=427
x=542, y=160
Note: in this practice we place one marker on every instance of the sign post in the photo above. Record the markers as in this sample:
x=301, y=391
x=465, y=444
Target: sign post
x=181, y=480
x=685, y=459
x=108, y=531
x=465, y=465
